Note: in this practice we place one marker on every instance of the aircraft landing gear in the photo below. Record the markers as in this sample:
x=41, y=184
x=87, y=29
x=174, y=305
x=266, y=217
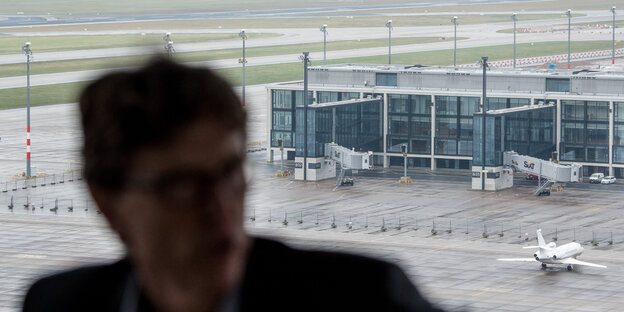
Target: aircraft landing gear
x=569, y=267
x=543, y=266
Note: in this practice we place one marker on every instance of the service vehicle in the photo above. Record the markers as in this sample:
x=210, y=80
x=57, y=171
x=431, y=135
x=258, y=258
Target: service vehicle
x=596, y=177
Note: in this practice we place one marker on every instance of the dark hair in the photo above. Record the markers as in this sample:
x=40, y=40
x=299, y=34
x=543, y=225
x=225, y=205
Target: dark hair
x=124, y=111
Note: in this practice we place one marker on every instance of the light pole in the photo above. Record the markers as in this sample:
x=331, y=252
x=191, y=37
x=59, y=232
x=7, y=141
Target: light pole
x=169, y=44
x=324, y=30
x=613, y=31
x=389, y=25
x=306, y=60
x=243, y=60
x=28, y=52
x=569, y=14
x=454, y=21
x=483, y=108
x=514, y=17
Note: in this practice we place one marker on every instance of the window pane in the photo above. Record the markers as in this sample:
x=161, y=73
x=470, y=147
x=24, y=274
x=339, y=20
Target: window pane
x=446, y=147
x=619, y=111
x=446, y=105
x=398, y=125
x=469, y=105
x=421, y=126
x=386, y=79
x=421, y=104
x=598, y=111
x=282, y=99
x=558, y=84
x=398, y=103
x=573, y=110
x=446, y=127
x=282, y=120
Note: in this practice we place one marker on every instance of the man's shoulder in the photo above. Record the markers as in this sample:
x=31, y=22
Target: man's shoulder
x=98, y=287
x=345, y=280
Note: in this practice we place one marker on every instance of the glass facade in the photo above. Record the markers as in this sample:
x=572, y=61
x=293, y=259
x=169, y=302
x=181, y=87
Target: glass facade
x=326, y=96
x=493, y=141
x=282, y=127
x=584, y=127
x=409, y=122
x=618, y=132
x=454, y=124
x=494, y=103
x=585, y=131
x=357, y=125
x=531, y=132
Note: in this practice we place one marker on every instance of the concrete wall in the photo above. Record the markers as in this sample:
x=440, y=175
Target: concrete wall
x=504, y=181
x=327, y=169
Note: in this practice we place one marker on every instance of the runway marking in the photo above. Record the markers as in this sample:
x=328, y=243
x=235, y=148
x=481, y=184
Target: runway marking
x=29, y=256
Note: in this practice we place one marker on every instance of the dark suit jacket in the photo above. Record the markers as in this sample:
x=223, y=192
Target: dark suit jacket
x=278, y=278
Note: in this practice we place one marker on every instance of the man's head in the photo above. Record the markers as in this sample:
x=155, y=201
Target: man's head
x=163, y=153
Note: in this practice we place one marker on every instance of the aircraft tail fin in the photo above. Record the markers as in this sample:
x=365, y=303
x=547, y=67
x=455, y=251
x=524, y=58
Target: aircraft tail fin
x=540, y=238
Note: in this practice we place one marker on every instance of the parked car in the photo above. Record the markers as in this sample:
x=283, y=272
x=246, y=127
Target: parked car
x=596, y=178
x=608, y=180
x=346, y=181
x=531, y=176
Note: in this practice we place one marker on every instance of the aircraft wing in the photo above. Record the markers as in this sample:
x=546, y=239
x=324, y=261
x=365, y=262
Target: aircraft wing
x=518, y=259
x=579, y=262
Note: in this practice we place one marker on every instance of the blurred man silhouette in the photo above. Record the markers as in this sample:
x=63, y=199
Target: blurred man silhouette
x=164, y=148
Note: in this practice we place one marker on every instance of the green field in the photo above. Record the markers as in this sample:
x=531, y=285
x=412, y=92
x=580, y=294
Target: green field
x=10, y=45
x=99, y=63
x=313, y=22
x=63, y=93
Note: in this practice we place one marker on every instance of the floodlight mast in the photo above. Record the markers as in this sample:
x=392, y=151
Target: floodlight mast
x=514, y=17
x=569, y=14
x=28, y=52
x=454, y=21
x=243, y=60
x=324, y=30
x=389, y=25
x=306, y=59
x=613, y=31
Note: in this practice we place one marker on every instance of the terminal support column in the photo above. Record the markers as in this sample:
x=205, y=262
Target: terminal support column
x=433, y=132
x=611, y=125
x=270, y=125
x=386, y=162
x=558, y=129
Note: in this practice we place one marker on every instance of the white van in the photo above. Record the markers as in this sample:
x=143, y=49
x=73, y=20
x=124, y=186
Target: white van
x=596, y=178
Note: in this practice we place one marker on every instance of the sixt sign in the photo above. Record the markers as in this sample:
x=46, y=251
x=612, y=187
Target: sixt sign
x=528, y=164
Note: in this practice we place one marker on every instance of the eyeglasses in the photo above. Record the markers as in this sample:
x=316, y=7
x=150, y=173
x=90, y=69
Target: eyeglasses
x=183, y=186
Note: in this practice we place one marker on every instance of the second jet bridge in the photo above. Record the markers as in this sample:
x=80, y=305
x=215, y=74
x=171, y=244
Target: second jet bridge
x=352, y=126
x=529, y=130
x=551, y=173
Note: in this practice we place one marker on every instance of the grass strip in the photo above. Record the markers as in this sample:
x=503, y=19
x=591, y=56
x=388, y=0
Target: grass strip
x=99, y=63
x=63, y=93
x=12, y=45
x=398, y=20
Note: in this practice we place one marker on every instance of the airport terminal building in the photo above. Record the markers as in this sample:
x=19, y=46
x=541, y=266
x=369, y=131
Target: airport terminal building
x=572, y=116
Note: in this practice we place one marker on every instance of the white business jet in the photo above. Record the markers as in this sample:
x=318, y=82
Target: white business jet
x=551, y=254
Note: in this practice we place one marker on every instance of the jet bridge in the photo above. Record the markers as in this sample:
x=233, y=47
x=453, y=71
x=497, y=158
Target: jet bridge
x=348, y=159
x=325, y=167
x=553, y=173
